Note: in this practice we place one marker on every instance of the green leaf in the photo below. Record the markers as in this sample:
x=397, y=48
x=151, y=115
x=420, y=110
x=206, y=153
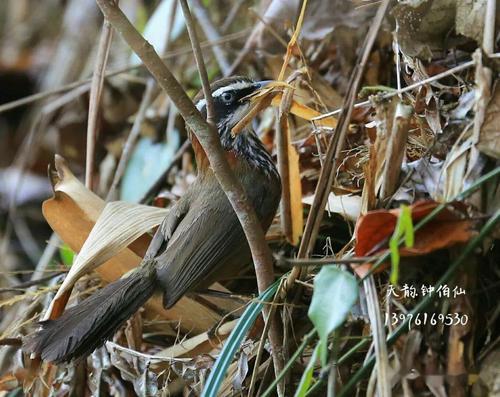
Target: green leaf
x=404, y=228
x=67, y=255
x=408, y=227
x=307, y=375
x=232, y=344
x=335, y=292
x=148, y=161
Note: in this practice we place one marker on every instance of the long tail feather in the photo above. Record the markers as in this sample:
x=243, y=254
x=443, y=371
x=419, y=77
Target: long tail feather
x=86, y=326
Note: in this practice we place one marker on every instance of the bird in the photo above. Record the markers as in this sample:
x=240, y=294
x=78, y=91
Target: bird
x=199, y=241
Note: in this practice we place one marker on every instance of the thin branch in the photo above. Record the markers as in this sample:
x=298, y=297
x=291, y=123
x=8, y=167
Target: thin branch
x=95, y=99
x=267, y=26
x=282, y=143
x=21, y=287
x=207, y=93
x=411, y=87
x=281, y=261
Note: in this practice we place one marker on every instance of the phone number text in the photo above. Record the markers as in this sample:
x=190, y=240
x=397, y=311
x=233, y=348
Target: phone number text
x=450, y=319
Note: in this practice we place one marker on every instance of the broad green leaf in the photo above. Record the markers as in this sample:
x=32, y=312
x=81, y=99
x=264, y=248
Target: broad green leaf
x=335, y=292
x=306, y=379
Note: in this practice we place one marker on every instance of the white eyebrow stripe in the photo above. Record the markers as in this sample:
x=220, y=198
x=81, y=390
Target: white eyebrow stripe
x=235, y=86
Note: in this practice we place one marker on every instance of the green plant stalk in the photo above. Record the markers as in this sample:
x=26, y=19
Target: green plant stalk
x=404, y=228
x=307, y=375
x=424, y=303
x=225, y=357
x=485, y=178
x=332, y=371
x=289, y=364
x=305, y=342
x=353, y=350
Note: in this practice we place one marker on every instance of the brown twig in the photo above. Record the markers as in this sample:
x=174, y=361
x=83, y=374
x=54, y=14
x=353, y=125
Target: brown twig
x=95, y=99
x=207, y=137
x=267, y=26
x=288, y=262
x=282, y=143
x=396, y=149
x=205, y=84
x=411, y=87
x=21, y=287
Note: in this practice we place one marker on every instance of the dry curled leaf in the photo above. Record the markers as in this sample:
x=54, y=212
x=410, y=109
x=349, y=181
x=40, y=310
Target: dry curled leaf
x=374, y=229
x=115, y=245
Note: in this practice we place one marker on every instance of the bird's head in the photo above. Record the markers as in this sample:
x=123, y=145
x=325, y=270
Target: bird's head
x=231, y=103
x=230, y=97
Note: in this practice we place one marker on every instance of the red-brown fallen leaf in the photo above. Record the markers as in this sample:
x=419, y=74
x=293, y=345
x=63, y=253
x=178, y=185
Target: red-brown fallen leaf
x=374, y=230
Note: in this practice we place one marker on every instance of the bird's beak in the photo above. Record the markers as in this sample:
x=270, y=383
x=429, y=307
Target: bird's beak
x=261, y=84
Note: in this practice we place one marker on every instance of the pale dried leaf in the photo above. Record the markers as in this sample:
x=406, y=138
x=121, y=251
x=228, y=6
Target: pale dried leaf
x=199, y=344
x=347, y=206
x=489, y=137
x=119, y=224
x=304, y=112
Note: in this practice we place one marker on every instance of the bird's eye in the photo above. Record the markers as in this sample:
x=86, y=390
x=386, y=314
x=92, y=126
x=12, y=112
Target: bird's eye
x=227, y=97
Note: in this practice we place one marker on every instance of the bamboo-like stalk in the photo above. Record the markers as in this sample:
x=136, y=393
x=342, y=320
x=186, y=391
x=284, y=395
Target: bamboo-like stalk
x=95, y=100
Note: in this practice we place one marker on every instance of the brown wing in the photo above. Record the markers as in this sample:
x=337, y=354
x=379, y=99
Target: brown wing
x=207, y=237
